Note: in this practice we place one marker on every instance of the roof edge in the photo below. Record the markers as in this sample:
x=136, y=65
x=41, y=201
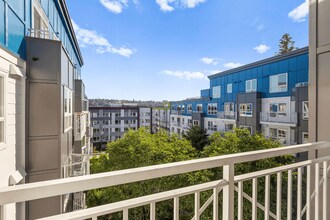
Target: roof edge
x=262, y=62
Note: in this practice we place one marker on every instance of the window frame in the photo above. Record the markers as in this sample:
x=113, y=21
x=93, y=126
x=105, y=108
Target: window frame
x=212, y=108
x=279, y=112
x=201, y=106
x=243, y=110
x=67, y=108
x=250, y=84
x=304, y=113
x=229, y=85
x=189, y=108
x=303, y=137
x=3, y=103
x=277, y=89
x=216, y=92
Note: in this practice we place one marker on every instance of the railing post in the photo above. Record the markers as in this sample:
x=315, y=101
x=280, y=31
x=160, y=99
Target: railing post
x=228, y=192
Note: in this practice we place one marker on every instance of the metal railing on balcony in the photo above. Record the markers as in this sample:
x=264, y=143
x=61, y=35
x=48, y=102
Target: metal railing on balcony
x=44, y=34
x=76, y=165
x=309, y=195
x=227, y=115
x=278, y=117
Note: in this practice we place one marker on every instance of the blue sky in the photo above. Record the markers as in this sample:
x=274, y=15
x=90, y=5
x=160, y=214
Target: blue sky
x=164, y=49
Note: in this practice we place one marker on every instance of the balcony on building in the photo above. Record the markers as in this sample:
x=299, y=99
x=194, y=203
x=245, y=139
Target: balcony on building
x=278, y=118
x=303, y=185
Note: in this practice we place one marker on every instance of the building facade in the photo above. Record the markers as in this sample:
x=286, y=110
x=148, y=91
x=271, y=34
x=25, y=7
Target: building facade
x=160, y=119
x=268, y=96
x=110, y=123
x=44, y=119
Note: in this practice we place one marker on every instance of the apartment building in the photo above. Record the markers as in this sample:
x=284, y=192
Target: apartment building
x=110, y=123
x=160, y=119
x=268, y=96
x=44, y=119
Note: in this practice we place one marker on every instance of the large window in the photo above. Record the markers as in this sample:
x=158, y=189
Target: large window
x=189, y=108
x=245, y=110
x=67, y=108
x=305, y=110
x=199, y=108
x=229, y=88
x=278, y=83
x=212, y=108
x=278, y=134
x=277, y=110
x=217, y=92
x=2, y=110
x=211, y=126
x=251, y=85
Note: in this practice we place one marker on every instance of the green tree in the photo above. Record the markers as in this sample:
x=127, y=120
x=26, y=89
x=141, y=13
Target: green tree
x=137, y=149
x=197, y=136
x=286, y=44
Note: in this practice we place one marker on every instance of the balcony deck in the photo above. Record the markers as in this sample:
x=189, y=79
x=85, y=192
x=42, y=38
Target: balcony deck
x=313, y=195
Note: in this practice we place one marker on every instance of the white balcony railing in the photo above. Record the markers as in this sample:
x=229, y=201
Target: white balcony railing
x=310, y=199
x=44, y=34
x=227, y=115
x=76, y=165
x=285, y=118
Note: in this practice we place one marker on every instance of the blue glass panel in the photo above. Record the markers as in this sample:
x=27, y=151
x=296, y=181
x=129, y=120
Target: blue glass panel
x=45, y=4
x=2, y=22
x=18, y=7
x=15, y=34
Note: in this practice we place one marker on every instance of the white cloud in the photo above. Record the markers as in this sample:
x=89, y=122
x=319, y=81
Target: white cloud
x=262, y=48
x=185, y=74
x=87, y=37
x=209, y=60
x=170, y=5
x=232, y=65
x=300, y=13
x=115, y=6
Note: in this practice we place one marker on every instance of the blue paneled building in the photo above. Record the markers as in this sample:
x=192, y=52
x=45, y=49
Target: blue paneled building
x=268, y=96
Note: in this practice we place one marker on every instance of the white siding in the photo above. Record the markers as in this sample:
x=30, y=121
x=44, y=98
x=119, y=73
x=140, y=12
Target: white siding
x=12, y=156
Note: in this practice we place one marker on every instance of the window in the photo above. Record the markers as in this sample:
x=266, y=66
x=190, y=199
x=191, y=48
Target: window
x=2, y=109
x=277, y=110
x=305, y=138
x=305, y=110
x=117, y=122
x=251, y=85
x=245, y=110
x=195, y=123
x=183, y=106
x=216, y=92
x=189, y=108
x=229, y=107
x=229, y=88
x=199, y=108
x=67, y=108
x=229, y=127
x=278, y=134
x=211, y=126
x=212, y=108
x=117, y=129
x=106, y=122
x=278, y=83
x=189, y=122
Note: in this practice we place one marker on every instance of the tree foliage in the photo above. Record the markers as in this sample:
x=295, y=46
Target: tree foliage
x=286, y=44
x=197, y=136
x=137, y=149
x=140, y=148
